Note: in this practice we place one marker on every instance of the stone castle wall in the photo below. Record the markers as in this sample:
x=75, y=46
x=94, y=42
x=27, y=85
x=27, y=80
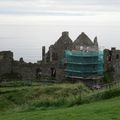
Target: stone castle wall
x=112, y=62
x=6, y=58
x=26, y=71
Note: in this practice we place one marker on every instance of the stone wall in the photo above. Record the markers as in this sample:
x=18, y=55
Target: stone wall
x=85, y=42
x=116, y=73
x=26, y=70
x=6, y=58
x=8, y=66
x=56, y=51
x=112, y=62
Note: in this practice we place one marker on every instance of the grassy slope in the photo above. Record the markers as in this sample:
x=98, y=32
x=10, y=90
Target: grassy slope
x=103, y=110
x=38, y=96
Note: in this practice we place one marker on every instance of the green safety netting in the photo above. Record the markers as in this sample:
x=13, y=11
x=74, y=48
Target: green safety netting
x=84, y=63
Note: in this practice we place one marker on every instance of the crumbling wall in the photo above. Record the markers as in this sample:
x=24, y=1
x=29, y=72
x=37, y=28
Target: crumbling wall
x=116, y=72
x=26, y=70
x=6, y=58
x=56, y=51
x=112, y=62
x=5, y=66
x=83, y=42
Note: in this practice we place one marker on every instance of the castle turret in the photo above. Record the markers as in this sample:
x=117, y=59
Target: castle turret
x=65, y=33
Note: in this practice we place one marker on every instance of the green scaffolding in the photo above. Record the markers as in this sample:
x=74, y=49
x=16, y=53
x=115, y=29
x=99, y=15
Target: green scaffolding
x=84, y=63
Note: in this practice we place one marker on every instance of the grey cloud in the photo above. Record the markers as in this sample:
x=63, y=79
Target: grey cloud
x=91, y=2
x=59, y=7
x=86, y=2
x=46, y=12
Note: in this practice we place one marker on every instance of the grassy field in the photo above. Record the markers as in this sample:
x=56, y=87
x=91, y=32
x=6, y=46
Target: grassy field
x=59, y=101
x=44, y=95
x=103, y=110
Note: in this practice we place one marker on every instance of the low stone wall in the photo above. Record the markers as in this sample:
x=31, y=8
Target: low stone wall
x=26, y=70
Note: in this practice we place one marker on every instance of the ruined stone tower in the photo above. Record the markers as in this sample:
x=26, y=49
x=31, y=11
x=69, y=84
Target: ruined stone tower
x=56, y=51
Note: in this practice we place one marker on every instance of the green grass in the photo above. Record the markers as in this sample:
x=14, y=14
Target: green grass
x=44, y=95
x=102, y=110
x=59, y=101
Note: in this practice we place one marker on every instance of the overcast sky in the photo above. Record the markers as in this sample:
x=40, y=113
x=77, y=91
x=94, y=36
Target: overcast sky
x=26, y=25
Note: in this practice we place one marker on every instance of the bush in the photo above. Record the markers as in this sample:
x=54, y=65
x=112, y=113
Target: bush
x=111, y=93
x=102, y=95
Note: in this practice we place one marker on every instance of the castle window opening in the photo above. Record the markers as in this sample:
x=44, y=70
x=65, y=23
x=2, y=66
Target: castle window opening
x=117, y=56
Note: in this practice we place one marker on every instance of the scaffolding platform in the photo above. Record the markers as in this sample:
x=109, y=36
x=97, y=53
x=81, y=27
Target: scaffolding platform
x=84, y=64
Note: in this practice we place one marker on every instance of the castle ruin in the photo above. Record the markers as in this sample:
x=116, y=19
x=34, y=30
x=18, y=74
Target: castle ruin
x=53, y=60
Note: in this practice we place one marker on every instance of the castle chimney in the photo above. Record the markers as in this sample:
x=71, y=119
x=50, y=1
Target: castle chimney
x=43, y=54
x=65, y=33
